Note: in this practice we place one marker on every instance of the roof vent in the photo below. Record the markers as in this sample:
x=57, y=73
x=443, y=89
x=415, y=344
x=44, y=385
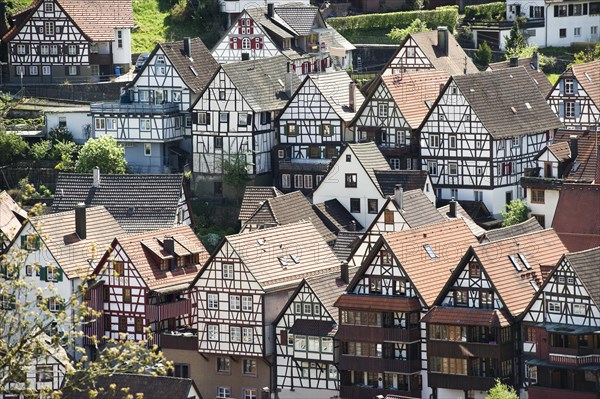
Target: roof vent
x=193, y=70
x=528, y=106
x=513, y=109
x=283, y=261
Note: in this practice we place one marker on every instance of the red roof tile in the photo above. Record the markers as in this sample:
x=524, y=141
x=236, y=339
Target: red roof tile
x=466, y=317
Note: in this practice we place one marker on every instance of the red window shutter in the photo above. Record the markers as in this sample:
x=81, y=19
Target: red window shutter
x=239, y=43
x=231, y=42
x=240, y=26
x=304, y=69
x=294, y=67
x=330, y=61
x=250, y=26
x=510, y=168
x=252, y=44
x=323, y=65
x=260, y=42
x=250, y=22
x=308, y=67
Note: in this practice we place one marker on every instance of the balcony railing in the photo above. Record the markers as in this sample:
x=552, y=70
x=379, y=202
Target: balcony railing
x=459, y=348
x=175, y=340
x=574, y=360
x=377, y=334
x=531, y=23
x=376, y=364
x=452, y=381
x=366, y=392
x=170, y=310
x=134, y=108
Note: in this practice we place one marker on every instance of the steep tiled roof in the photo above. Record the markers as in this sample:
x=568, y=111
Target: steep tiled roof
x=449, y=242
x=300, y=18
x=138, y=202
x=144, y=249
x=368, y=302
x=577, y=216
x=341, y=41
x=336, y=217
x=528, y=226
x=254, y=196
x=588, y=76
x=584, y=168
x=477, y=230
x=560, y=150
x=281, y=29
x=371, y=160
x=99, y=18
x=335, y=88
x=540, y=248
x=262, y=82
x=466, y=317
x=418, y=209
x=77, y=257
x=454, y=63
x=538, y=76
x=408, y=179
x=586, y=264
x=507, y=102
x=11, y=216
x=412, y=90
x=197, y=70
x=261, y=250
x=345, y=242
x=328, y=288
x=289, y=208
x=151, y=386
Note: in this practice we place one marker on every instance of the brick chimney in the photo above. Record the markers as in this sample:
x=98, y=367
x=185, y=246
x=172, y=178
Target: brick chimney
x=574, y=146
x=80, y=221
x=288, y=81
x=513, y=62
x=344, y=274
x=442, y=36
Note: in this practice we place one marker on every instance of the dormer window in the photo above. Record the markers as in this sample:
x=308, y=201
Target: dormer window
x=48, y=6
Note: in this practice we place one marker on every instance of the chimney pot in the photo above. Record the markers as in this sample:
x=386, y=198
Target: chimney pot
x=574, y=146
x=535, y=62
x=452, y=212
x=80, y=221
x=169, y=246
x=187, y=47
x=270, y=10
x=96, y=175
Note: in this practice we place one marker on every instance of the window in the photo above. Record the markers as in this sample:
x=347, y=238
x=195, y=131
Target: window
x=577, y=32
x=52, y=273
x=244, y=119
x=218, y=143
x=139, y=325
x=29, y=270
x=537, y=196
x=247, y=303
x=560, y=11
x=326, y=130
x=100, y=124
x=553, y=307
x=316, y=309
x=285, y=181
x=308, y=181
x=453, y=168
x=247, y=335
x=355, y=205
x=432, y=168
x=401, y=137
x=307, y=309
x=202, y=118
x=375, y=285
x=49, y=28
x=122, y=324
x=452, y=141
x=461, y=297
x=147, y=149
x=594, y=29
x=314, y=344
x=44, y=49
x=223, y=365
x=181, y=370
x=48, y=6
x=454, y=193
x=245, y=44
x=474, y=270
x=7, y=302
x=395, y=163
x=388, y=216
x=372, y=206
x=234, y=302
x=434, y=141
x=579, y=309
x=265, y=118
x=212, y=301
x=298, y=181
x=176, y=96
x=562, y=32
x=54, y=304
x=120, y=39
x=569, y=109
x=382, y=110
x=72, y=49
x=126, y=294
x=223, y=392
x=21, y=49
x=291, y=129
x=300, y=343
x=213, y=332
x=235, y=334
x=44, y=374
x=568, y=86
x=541, y=219
x=515, y=141
x=145, y=125
x=250, y=393
x=46, y=70
x=223, y=117
x=486, y=300
x=227, y=271
x=447, y=365
x=410, y=52
x=351, y=180
x=249, y=367
x=111, y=123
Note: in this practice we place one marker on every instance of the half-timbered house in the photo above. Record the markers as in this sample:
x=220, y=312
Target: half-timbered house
x=296, y=31
x=436, y=49
x=139, y=202
x=145, y=285
x=361, y=180
x=152, y=120
x=313, y=126
x=239, y=292
x=55, y=253
x=12, y=217
x=561, y=350
x=56, y=41
x=575, y=97
x=382, y=341
x=392, y=112
x=473, y=327
x=482, y=133
x=306, y=351
x=234, y=120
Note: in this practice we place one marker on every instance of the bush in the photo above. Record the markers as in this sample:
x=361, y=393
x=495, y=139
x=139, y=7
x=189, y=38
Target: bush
x=486, y=12
x=13, y=148
x=400, y=34
x=442, y=16
x=483, y=56
x=41, y=149
x=103, y=152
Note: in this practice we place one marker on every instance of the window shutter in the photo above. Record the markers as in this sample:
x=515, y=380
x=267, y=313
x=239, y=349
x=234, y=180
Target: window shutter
x=249, y=119
x=575, y=88
x=542, y=13
x=59, y=274
x=577, y=109
x=238, y=43
x=65, y=49
x=12, y=305
x=208, y=118
x=240, y=26
x=321, y=129
x=555, y=11
x=231, y=43
x=504, y=169
x=23, y=241
x=561, y=109
x=570, y=9
x=37, y=242
x=585, y=8
x=284, y=129
x=26, y=49
x=195, y=118
x=510, y=168
x=531, y=11
x=268, y=117
x=252, y=44
x=561, y=86
x=43, y=273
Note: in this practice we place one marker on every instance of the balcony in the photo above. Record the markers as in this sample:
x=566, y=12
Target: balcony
x=375, y=364
x=573, y=360
x=459, y=349
x=377, y=334
x=101, y=59
x=366, y=392
x=170, y=310
x=451, y=381
x=178, y=340
x=536, y=392
x=134, y=108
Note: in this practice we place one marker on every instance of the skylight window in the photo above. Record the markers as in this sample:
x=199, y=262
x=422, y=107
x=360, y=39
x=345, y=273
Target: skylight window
x=429, y=251
x=524, y=261
x=533, y=284
x=528, y=105
x=515, y=263
x=283, y=261
x=513, y=109
x=193, y=70
x=295, y=258
x=260, y=241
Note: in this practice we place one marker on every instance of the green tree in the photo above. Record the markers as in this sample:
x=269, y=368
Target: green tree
x=235, y=173
x=483, y=56
x=502, y=391
x=516, y=212
x=588, y=55
x=65, y=152
x=399, y=35
x=103, y=152
x=515, y=42
x=41, y=149
x=13, y=148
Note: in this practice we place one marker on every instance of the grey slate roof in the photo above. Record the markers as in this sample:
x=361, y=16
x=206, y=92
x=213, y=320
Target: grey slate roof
x=371, y=160
x=335, y=88
x=254, y=196
x=454, y=63
x=408, y=179
x=494, y=95
x=300, y=18
x=262, y=82
x=345, y=243
x=336, y=217
x=418, y=209
x=529, y=226
x=153, y=387
x=586, y=264
x=138, y=202
x=281, y=29
x=539, y=78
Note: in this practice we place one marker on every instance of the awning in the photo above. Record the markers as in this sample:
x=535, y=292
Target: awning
x=544, y=363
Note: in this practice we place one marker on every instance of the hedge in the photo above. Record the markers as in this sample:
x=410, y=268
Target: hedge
x=442, y=16
x=486, y=12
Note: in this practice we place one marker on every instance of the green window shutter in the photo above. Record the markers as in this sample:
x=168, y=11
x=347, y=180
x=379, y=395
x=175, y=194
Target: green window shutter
x=59, y=274
x=285, y=129
x=23, y=241
x=37, y=242
x=321, y=129
x=43, y=273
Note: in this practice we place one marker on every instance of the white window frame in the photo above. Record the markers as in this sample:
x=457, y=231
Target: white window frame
x=235, y=334
x=21, y=49
x=382, y=110
x=72, y=70
x=569, y=109
x=234, y=302
x=247, y=303
x=569, y=85
x=434, y=141
x=48, y=6
x=579, y=309
x=49, y=28
x=432, y=168
x=111, y=123
x=44, y=49
x=53, y=49
x=285, y=180
x=147, y=149
x=100, y=124
x=54, y=304
x=515, y=141
x=145, y=124
x=452, y=141
x=213, y=332
x=308, y=181
x=212, y=301
x=453, y=168
x=176, y=96
x=34, y=70
x=223, y=392
x=298, y=181
x=245, y=44
x=72, y=49
x=227, y=271
x=247, y=335
x=553, y=307
x=395, y=163
x=577, y=31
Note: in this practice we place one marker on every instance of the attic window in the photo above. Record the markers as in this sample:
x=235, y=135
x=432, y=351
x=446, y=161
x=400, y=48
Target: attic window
x=515, y=263
x=528, y=105
x=261, y=241
x=193, y=71
x=513, y=109
x=524, y=261
x=283, y=261
x=295, y=258
x=430, y=252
